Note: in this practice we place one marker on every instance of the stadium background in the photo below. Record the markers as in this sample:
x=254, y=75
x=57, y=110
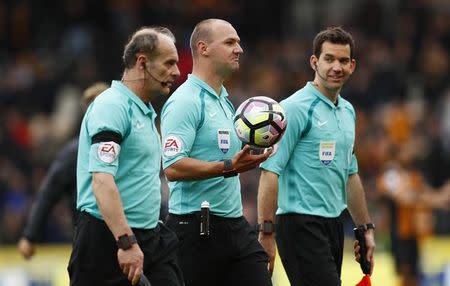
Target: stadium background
x=51, y=50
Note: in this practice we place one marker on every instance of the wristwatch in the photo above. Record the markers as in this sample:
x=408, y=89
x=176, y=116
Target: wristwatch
x=228, y=170
x=267, y=227
x=367, y=226
x=126, y=241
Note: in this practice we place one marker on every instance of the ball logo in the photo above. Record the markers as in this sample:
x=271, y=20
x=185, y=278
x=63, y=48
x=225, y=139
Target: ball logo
x=172, y=146
x=108, y=151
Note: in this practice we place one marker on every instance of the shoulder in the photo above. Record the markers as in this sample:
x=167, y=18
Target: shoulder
x=186, y=96
x=348, y=106
x=299, y=102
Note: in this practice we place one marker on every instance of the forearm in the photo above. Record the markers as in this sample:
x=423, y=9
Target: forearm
x=110, y=204
x=357, y=205
x=192, y=169
x=267, y=196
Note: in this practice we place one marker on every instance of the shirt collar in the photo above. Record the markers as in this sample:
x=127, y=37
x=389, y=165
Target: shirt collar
x=197, y=81
x=311, y=88
x=146, y=108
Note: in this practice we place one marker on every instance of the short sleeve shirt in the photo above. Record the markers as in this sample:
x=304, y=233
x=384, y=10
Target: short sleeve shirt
x=315, y=156
x=135, y=163
x=197, y=123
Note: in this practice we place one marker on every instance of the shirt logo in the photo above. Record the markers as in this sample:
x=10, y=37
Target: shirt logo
x=108, y=151
x=321, y=123
x=172, y=146
x=327, y=150
x=140, y=125
x=223, y=140
x=212, y=114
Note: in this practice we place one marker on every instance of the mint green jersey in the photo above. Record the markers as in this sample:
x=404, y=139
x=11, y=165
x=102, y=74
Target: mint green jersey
x=135, y=163
x=315, y=156
x=197, y=123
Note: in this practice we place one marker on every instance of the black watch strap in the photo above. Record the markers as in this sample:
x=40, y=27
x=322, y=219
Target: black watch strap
x=228, y=170
x=367, y=226
x=126, y=241
x=267, y=227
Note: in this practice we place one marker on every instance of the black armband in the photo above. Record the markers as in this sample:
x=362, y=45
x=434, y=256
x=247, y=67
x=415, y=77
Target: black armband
x=107, y=136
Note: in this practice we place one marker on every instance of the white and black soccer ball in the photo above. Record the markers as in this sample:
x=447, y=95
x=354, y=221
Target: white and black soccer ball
x=260, y=121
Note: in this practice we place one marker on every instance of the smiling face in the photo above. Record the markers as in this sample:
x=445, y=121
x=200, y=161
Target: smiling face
x=224, y=47
x=333, y=68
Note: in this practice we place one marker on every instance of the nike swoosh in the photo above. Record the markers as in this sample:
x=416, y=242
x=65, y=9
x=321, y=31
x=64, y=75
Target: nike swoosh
x=320, y=124
x=212, y=114
x=140, y=125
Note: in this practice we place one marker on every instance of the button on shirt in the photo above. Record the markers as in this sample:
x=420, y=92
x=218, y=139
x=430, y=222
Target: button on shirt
x=136, y=169
x=315, y=156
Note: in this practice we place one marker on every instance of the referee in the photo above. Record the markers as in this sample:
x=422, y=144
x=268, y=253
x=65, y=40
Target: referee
x=313, y=175
x=202, y=159
x=117, y=236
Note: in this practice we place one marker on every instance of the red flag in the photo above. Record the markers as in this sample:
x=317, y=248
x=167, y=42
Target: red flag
x=365, y=281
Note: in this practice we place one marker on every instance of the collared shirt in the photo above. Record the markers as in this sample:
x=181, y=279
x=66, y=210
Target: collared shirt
x=135, y=164
x=197, y=123
x=315, y=156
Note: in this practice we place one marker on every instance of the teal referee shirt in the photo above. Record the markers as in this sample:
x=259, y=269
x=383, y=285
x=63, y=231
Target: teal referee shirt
x=197, y=123
x=315, y=156
x=135, y=163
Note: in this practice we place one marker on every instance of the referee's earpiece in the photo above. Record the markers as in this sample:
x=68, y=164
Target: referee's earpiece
x=315, y=66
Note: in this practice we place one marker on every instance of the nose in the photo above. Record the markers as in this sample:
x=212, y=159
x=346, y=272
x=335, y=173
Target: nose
x=337, y=66
x=238, y=49
x=176, y=71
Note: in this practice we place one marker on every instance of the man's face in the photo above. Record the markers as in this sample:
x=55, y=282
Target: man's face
x=163, y=68
x=334, y=66
x=224, y=49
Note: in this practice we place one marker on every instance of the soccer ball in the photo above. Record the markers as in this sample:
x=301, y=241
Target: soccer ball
x=260, y=121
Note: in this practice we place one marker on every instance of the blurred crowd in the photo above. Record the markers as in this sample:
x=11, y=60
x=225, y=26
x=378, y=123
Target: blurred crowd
x=51, y=50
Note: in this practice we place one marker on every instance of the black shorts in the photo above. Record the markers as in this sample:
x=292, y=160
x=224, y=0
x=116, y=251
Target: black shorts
x=94, y=255
x=311, y=249
x=231, y=255
x=406, y=256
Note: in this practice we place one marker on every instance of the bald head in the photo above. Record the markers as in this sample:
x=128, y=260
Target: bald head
x=203, y=31
x=144, y=40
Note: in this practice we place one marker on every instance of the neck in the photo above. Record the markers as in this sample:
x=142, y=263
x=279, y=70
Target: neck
x=136, y=81
x=331, y=94
x=210, y=76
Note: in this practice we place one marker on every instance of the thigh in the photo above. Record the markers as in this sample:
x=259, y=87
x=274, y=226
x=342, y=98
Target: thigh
x=94, y=256
x=305, y=251
x=249, y=266
x=161, y=265
x=199, y=257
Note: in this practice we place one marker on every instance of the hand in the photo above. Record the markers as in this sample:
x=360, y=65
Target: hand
x=268, y=243
x=26, y=248
x=244, y=160
x=370, y=244
x=131, y=262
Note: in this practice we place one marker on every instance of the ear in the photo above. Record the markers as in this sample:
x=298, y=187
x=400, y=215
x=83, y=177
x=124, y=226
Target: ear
x=202, y=48
x=141, y=61
x=313, y=62
x=353, y=66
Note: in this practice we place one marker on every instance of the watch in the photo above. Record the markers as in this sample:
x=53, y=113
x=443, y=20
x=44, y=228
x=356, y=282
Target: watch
x=228, y=170
x=367, y=226
x=126, y=241
x=267, y=227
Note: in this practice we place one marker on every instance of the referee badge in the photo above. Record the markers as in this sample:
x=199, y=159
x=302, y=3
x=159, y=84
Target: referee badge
x=108, y=151
x=327, y=150
x=223, y=139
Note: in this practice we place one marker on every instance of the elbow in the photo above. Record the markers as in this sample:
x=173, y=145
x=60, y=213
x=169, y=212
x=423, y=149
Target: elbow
x=171, y=174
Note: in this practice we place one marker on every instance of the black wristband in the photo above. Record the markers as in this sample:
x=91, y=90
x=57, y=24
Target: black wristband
x=228, y=170
x=126, y=241
x=367, y=226
x=267, y=227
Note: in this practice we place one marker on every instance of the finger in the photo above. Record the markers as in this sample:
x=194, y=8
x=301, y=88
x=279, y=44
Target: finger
x=131, y=273
x=271, y=266
x=136, y=277
x=126, y=269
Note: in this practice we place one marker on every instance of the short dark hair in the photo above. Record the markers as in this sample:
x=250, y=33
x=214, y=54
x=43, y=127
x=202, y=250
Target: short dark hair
x=334, y=35
x=202, y=31
x=144, y=40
